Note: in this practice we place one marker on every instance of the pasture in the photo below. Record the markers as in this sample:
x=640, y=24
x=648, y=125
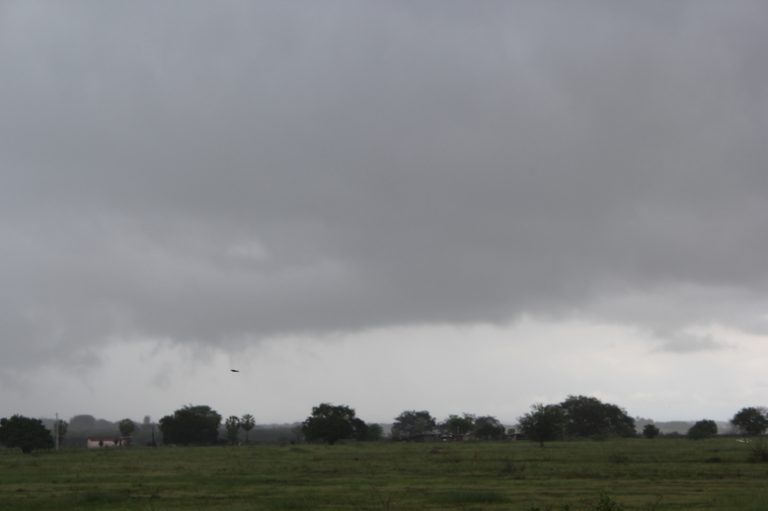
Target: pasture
x=635, y=474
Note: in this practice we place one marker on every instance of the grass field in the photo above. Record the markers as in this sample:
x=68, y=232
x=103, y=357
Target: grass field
x=661, y=474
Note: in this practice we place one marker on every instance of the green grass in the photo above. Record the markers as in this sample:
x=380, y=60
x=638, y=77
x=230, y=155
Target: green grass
x=637, y=474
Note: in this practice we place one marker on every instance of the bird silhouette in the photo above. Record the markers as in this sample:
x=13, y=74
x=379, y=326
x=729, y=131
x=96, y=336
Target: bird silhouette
x=234, y=370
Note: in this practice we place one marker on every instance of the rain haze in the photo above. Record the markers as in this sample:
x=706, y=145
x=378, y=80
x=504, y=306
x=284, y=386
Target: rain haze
x=441, y=205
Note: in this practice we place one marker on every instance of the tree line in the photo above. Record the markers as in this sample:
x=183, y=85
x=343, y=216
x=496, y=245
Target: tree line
x=576, y=417
x=588, y=417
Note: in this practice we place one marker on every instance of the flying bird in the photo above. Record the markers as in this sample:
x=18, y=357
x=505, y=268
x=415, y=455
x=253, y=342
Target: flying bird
x=235, y=370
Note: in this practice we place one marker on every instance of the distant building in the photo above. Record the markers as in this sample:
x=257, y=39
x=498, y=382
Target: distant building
x=100, y=443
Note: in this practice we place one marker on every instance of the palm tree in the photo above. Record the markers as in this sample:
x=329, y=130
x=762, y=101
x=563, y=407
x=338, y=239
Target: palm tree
x=247, y=422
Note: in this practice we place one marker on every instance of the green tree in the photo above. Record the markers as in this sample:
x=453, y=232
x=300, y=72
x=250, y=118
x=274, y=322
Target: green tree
x=232, y=426
x=702, y=429
x=126, y=427
x=458, y=425
x=191, y=425
x=543, y=423
x=488, y=428
x=411, y=425
x=247, y=422
x=25, y=433
x=650, y=431
x=590, y=417
x=331, y=423
x=359, y=429
x=751, y=421
x=374, y=433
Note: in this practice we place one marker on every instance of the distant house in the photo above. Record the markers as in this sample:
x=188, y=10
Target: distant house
x=100, y=443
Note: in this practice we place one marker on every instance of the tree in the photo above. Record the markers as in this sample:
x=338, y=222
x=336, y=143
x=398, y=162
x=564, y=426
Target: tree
x=589, y=417
x=191, y=425
x=489, y=428
x=702, y=429
x=411, y=425
x=247, y=422
x=232, y=425
x=126, y=427
x=751, y=421
x=331, y=423
x=650, y=431
x=82, y=423
x=25, y=433
x=543, y=423
x=359, y=429
x=458, y=426
x=373, y=433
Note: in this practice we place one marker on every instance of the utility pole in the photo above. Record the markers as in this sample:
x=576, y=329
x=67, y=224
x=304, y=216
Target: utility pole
x=56, y=431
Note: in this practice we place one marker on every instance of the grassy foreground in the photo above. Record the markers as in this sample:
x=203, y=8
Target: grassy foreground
x=659, y=474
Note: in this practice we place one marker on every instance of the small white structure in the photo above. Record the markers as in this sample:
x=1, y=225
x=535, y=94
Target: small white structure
x=100, y=443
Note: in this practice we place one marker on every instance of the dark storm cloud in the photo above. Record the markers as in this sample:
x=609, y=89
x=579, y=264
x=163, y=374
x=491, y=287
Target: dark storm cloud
x=229, y=170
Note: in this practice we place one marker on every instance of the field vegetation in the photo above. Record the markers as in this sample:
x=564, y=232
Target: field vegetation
x=629, y=474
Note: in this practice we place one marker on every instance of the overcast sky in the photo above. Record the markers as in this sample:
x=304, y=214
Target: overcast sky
x=442, y=205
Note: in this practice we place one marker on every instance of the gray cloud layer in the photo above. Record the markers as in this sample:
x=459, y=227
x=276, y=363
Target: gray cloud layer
x=223, y=170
